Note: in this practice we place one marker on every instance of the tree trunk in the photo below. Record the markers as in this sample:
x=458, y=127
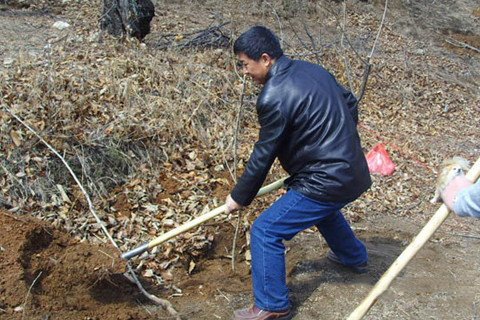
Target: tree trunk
x=127, y=17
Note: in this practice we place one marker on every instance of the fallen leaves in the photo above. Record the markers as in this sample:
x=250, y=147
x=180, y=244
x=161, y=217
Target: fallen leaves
x=15, y=138
x=150, y=132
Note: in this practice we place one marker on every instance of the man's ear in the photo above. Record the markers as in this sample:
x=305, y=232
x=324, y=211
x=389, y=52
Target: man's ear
x=266, y=59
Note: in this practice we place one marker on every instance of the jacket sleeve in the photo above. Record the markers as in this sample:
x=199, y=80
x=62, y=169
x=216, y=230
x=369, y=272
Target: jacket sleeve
x=467, y=202
x=272, y=129
x=351, y=102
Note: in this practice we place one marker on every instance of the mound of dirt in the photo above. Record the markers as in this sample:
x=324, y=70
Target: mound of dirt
x=52, y=276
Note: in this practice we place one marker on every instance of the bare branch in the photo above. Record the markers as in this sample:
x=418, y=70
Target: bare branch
x=303, y=54
x=237, y=128
x=278, y=20
x=368, y=65
x=28, y=293
x=235, y=141
x=342, y=44
x=339, y=25
x=461, y=44
x=162, y=302
x=312, y=41
x=298, y=37
x=363, y=86
x=379, y=31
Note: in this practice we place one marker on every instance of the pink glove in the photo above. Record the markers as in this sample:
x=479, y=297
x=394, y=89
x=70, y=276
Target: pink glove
x=453, y=187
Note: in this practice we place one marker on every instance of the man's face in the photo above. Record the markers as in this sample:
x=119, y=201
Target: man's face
x=257, y=70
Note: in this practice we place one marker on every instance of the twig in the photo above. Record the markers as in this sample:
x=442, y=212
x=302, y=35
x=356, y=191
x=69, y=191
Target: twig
x=202, y=38
x=107, y=12
x=197, y=31
x=363, y=86
x=237, y=128
x=237, y=227
x=58, y=39
x=13, y=217
x=461, y=44
x=342, y=44
x=223, y=295
x=299, y=38
x=312, y=41
x=474, y=311
x=379, y=31
x=235, y=141
x=343, y=31
x=278, y=20
x=227, y=165
x=28, y=293
x=466, y=236
x=113, y=259
x=164, y=303
x=14, y=179
x=368, y=65
x=313, y=53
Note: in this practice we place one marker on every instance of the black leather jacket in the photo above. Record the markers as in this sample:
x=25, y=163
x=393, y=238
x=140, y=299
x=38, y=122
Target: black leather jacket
x=309, y=122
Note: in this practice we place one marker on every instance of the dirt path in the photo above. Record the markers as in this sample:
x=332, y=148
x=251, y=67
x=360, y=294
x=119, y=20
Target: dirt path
x=24, y=33
x=441, y=282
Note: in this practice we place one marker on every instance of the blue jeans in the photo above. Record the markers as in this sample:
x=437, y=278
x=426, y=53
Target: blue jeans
x=290, y=214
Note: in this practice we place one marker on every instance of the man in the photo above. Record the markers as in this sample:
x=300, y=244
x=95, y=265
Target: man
x=308, y=122
x=463, y=197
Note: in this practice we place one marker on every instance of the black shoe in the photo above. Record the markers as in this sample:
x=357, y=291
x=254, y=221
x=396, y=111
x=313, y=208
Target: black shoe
x=361, y=268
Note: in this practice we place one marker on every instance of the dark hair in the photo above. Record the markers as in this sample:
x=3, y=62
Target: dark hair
x=256, y=41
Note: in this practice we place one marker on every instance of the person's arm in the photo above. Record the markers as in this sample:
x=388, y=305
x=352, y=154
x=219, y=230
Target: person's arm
x=462, y=197
x=272, y=129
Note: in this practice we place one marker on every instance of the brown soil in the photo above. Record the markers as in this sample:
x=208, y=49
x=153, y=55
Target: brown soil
x=52, y=276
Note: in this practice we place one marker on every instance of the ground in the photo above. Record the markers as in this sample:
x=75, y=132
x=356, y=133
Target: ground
x=50, y=274
x=78, y=281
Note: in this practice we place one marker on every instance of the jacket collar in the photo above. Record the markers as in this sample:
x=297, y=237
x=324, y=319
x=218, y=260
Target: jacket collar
x=280, y=65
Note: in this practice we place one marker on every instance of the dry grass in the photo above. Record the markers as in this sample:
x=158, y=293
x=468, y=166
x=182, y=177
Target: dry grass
x=113, y=107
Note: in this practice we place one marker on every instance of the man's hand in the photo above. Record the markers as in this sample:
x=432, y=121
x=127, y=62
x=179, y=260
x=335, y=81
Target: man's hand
x=231, y=205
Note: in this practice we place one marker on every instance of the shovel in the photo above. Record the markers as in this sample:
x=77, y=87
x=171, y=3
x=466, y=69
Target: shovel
x=193, y=223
